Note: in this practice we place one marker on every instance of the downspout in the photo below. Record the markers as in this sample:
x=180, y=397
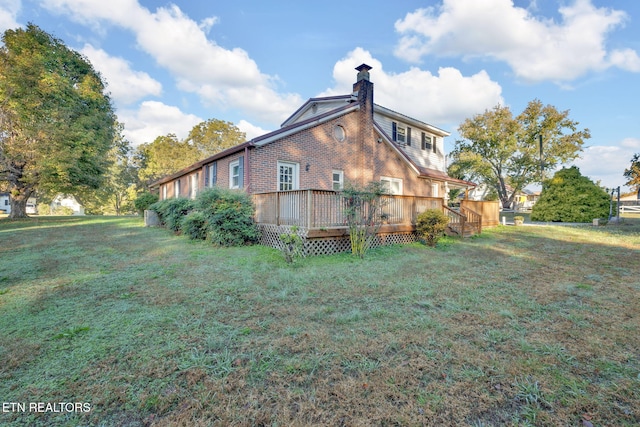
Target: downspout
x=247, y=175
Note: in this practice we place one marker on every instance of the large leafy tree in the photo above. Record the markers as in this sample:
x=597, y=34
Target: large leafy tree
x=121, y=183
x=213, y=136
x=167, y=154
x=503, y=150
x=56, y=122
x=633, y=173
x=164, y=156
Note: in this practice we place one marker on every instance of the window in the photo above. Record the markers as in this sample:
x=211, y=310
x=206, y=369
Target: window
x=195, y=180
x=287, y=176
x=211, y=175
x=435, y=190
x=426, y=142
x=392, y=185
x=234, y=174
x=176, y=188
x=164, y=192
x=339, y=133
x=337, y=180
x=401, y=133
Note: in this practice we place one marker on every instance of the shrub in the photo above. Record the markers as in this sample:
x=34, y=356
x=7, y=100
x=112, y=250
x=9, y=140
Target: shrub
x=570, y=197
x=431, y=225
x=171, y=211
x=292, y=245
x=363, y=212
x=62, y=211
x=144, y=200
x=229, y=214
x=194, y=225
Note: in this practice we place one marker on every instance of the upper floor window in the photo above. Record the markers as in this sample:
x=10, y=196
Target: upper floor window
x=287, y=176
x=426, y=142
x=401, y=133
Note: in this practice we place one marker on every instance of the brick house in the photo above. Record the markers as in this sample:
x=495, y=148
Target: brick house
x=326, y=142
x=294, y=172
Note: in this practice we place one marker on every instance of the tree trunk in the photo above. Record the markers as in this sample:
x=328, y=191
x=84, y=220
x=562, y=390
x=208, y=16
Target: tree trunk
x=19, y=207
x=19, y=196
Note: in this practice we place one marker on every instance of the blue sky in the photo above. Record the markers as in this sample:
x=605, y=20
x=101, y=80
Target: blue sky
x=170, y=65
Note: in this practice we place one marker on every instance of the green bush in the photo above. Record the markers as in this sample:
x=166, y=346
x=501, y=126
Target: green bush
x=224, y=216
x=431, y=225
x=194, y=225
x=570, y=197
x=292, y=245
x=144, y=200
x=230, y=217
x=62, y=211
x=171, y=211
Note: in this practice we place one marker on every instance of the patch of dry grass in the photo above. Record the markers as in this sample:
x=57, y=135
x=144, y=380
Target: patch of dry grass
x=521, y=326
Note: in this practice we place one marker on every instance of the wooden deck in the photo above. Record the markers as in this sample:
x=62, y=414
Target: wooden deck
x=318, y=214
x=322, y=209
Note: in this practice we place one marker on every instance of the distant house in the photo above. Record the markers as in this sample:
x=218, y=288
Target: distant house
x=5, y=204
x=66, y=201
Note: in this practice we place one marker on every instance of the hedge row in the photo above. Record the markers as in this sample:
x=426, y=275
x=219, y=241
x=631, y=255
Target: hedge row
x=225, y=217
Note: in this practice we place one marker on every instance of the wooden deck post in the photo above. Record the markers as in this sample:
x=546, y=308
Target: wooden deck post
x=309, y=209
x=277, y=208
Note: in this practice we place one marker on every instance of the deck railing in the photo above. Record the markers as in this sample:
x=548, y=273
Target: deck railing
x=324, y=209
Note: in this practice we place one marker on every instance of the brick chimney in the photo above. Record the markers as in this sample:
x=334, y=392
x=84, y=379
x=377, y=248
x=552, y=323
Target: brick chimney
x=366, y=135
x=364, y=88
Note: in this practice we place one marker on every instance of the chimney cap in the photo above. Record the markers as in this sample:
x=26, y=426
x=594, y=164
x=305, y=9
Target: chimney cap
x=363, y=72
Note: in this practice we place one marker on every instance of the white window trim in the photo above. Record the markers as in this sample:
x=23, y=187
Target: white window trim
x=232, y=165
x=394, y=180
x=176, y=188
x=435, y=190
x=296, y=174
x=400, y=126
x=164, y=192
x=195, y=178
x=340, y=181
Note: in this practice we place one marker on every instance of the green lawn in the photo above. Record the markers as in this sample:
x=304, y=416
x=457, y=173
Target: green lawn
x=520, y=326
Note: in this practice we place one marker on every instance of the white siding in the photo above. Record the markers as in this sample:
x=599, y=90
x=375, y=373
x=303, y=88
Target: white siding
x=321, y=107
x=424, y=158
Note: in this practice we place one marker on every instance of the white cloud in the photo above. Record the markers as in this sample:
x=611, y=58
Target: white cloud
x=250, y=130
x=607, y=163
x=9, y=10
x=155, y=119
x=219, y=76
x=445, y=98
x=125, y=85
x=534, y=47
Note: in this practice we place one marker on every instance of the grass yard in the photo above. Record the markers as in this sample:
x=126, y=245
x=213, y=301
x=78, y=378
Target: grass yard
x=521, y=326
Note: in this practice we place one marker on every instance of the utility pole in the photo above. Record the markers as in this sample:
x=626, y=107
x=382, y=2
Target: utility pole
x=541, y=159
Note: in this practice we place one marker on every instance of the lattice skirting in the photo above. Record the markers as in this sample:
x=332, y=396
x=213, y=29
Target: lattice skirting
x=270, y=236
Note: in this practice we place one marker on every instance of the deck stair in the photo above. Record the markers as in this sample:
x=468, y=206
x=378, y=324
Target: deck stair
x=463, y=222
